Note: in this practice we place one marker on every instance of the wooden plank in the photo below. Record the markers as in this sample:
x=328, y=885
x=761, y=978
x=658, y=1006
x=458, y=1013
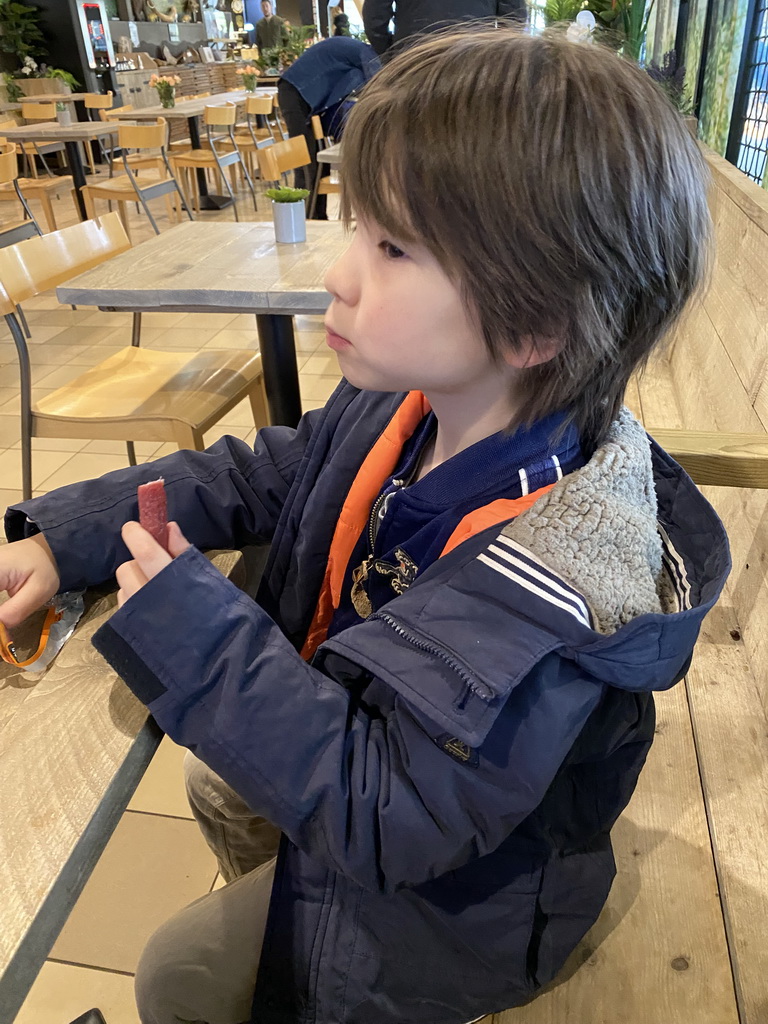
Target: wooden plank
x=657, y=954
x=728, y=460
x=731, y=728
x=751, y=200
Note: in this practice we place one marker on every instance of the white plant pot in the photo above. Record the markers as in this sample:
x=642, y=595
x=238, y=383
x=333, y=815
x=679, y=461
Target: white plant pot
x=290, y=221
x=64, y=117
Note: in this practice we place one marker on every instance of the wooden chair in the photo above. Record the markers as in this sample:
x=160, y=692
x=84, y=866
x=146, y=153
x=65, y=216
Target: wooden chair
x=39, y=112
x=258, y=131
x=134, y=395
x=142, y=146
x=323, y=185
x=284, y=156
x=14, y=189
x=222, y=152
x=94, y=103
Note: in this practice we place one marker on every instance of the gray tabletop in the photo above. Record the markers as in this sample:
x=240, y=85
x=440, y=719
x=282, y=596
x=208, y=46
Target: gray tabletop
x=209, y=267
x=52, y=131
x=187, y=108
x=331, y=156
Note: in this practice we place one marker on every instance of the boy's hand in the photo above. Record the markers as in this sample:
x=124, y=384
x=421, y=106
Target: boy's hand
x=28, y=572
x=148, y=557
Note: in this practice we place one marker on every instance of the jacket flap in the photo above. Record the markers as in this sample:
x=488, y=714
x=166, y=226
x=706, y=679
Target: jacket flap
x=456, y=670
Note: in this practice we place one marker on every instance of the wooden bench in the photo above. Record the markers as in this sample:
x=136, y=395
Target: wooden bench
x=683, y=938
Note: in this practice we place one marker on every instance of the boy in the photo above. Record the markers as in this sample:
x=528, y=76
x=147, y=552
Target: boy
x=480, y=566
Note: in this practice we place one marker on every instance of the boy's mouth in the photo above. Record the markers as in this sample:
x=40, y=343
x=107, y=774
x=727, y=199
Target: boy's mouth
x=335, y=341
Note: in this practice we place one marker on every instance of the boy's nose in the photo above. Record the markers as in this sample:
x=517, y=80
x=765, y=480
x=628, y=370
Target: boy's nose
x=341, y=281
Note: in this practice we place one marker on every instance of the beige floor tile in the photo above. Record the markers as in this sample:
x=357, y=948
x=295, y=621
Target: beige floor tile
x=229, y=338
x=83, y=466
x=324, y=363
x=84, y=334
x=161, y=320
x=152, y=867
x=176, y=337
x=63, y=992
x=8, y=497
x=205, y=321
x=240, y=416
x=44, y=464
x=12, y=404
x=55, y=444
x=317, y=388
x=100, y=317
x=144, y=448
x=63, y=316
x=10, y=431
x=59, y=375
x=57, y=355
x=41, y=333
x=161, y=790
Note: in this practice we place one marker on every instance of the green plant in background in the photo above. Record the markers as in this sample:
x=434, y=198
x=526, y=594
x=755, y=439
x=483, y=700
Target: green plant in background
x=20, y=34
x=626, y=22
x=556, y=11
x=723, y=60
x=13, y=90
x=286, y=195
x=283, y=56
x=691, y=56
x=63, y=76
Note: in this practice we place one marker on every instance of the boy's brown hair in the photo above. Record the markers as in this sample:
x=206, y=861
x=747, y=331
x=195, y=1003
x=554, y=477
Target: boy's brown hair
x=558, y=187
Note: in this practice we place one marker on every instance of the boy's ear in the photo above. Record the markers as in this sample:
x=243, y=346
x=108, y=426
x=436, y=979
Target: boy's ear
x=532, y=352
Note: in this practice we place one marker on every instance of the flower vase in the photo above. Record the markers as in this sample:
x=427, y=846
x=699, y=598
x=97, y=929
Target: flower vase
x=290, y=221
x=169, y=99
x=64, y=116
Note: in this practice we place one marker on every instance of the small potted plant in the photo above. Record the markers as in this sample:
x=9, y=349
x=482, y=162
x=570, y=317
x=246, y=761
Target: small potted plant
x=166, y=88
x=249, y=74
x=289, y=213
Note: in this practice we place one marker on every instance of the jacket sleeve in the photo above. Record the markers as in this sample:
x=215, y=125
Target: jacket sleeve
x=367, y=787
x=225, y=497
x=377, y=15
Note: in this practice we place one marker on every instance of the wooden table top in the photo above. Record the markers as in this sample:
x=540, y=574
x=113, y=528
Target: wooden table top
x=227, y=267
x=73, y=748
x=187, y=108
x=52, y=131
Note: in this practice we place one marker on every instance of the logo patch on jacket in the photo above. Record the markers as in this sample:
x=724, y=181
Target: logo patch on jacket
x=458, y=750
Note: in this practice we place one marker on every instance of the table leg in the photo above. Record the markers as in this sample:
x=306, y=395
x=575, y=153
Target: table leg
x=207, y=201
x=76, y=169
x=281, y=374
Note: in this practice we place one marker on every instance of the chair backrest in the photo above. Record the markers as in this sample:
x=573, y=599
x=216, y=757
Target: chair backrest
x=259, y=105
x=143, y=136
x=8, y=168
x=3, y=126
x=98, y=100
x=109, y=115
x=41, y=263
x=283, y=156
x=38, y=111
x=317, y=128
x=220, y=116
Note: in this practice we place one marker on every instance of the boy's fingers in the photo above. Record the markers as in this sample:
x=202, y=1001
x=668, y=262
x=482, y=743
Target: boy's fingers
x=145, y=549
x=29, y=598
x=177, y=542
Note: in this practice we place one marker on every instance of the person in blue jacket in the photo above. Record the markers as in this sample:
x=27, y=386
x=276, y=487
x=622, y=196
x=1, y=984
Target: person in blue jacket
x=317, y=83
x=480, y=567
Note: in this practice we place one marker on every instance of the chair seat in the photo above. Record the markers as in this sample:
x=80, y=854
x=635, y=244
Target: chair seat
x=196, y=158
x=121, y=185
x=41, y=184
x=138, y=394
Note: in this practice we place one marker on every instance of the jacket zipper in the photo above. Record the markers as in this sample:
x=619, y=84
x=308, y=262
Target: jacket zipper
x=474, y=684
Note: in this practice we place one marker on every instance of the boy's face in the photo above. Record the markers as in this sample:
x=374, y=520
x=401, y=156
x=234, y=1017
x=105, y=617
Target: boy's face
x=398, y=323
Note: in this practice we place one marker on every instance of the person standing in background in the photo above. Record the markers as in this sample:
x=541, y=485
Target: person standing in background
x=322, y=77
x=270, y=30
x=414, y=17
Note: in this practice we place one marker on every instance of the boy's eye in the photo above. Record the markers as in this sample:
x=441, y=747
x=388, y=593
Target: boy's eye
x=391, y=251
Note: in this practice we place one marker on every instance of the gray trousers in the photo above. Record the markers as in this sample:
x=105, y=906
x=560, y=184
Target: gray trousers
x=200, y=967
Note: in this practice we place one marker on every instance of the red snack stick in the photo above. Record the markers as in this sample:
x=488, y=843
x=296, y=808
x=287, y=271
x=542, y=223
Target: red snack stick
x=153, y=510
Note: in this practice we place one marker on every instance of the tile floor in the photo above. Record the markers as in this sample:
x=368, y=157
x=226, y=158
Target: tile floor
x=156, y=861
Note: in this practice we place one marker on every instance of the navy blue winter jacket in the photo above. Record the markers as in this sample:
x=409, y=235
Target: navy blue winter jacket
x=328, y=72
x=445, y=773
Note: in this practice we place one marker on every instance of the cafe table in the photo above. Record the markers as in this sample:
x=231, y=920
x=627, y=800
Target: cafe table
x=74, y=745
x=199, y=267
x=72, y=135
x=192, y=110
